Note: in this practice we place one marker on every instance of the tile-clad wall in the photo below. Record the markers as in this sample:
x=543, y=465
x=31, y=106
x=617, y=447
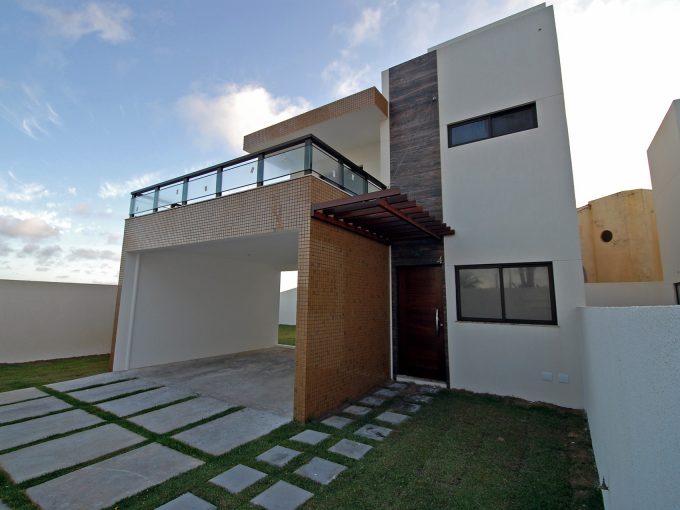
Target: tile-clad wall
x=345, y=330
x=286, y=206
x=415, y=163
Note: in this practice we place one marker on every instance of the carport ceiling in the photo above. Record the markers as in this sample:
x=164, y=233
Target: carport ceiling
x=278, y=250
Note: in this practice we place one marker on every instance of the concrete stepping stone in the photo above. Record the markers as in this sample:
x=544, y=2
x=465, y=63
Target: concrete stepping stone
x=141, y=401
x=374, y=432
x=26, y=432
x=420, y=399
x=350, y=449
x=180, y=415
x=310, y=437
x=357, y=410
x=429, y=390
x=224, y=434
x=398, y=386
x=406, y=407
x=282, y=496
x=278, y=456
x=187, y=501
x=392, y=418
x=11, y=397
x=92, y=380
x=320, y=470
x=68, y=451
x=31, y=409
x=337, y=422
x=372, y=401
x=238, y=478
x=102, y=484
x=385, y=393
x=112, y=390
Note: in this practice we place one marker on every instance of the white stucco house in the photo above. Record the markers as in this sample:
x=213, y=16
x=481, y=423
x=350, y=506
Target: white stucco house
x=434, y=230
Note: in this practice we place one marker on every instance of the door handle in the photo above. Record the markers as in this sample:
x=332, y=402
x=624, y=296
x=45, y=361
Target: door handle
x=436, y=321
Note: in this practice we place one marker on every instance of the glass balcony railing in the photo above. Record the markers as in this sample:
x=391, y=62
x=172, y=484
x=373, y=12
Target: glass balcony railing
x=303, y=156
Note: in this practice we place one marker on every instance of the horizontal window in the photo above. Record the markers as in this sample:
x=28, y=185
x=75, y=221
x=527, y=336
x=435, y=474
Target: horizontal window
x=515, y=293
x=492, y=125
x=677, y=292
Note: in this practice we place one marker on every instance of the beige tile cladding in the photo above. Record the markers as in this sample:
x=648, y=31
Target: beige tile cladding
x=342, y=346
x=343, y=320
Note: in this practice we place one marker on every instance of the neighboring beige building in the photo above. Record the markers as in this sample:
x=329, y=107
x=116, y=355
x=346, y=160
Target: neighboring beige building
x=619, y=239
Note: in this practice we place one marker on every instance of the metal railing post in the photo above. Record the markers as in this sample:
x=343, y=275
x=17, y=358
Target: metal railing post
x=132, y=205
x=341, y=173
x=185, y=191
x=157, y=191
x=218, y=182
x=260, y=170
x=308, y=156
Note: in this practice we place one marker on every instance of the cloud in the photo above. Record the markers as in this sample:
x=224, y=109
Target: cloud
x=23, y=191
x=32, y=228
x=91, y=254
x=346, y=79
x=5, y=249
x=107, y=21
x=344, y=76
x=119, y=189
x=234, y=111
x=72, y=191
x=29, y=113
x=113, y=238
x=366, y=27
x=43, y=255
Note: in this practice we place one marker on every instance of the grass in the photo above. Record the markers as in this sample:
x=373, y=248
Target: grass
x=287, y=334
x=14, y=376
x=462, y=451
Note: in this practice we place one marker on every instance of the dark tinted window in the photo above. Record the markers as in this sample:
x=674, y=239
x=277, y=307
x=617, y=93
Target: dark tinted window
x=500, y=123
x=518, y=293
x=519, y=119
x=470, y=132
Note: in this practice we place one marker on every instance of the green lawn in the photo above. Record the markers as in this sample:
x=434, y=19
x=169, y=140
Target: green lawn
x=14, y=376
x=286, y=334
x=463, y=451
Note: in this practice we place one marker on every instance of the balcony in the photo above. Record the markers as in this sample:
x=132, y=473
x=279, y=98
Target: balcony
x=304, y=156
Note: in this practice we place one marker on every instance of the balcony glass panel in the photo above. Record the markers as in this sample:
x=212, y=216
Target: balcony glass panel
x=144, y=202
x=354, y=182
x=170, y=196
x=372, y=187
x=279, y=166
x=202, y=187
x=239, y=178
x=325, y=165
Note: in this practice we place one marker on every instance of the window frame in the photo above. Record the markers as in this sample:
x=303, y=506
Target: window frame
x=676, y=287
x=487, y=118
x=504, y=319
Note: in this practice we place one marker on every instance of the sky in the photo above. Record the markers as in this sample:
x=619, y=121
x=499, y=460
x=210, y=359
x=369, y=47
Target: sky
x=100, y=98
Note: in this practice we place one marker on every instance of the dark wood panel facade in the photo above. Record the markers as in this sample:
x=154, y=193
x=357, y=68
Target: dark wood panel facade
x=415, y=166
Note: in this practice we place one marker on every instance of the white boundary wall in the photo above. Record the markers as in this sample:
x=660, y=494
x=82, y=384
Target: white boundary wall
x=632, y=397
x=48, y=320
x=627, y=294
x=288, y=307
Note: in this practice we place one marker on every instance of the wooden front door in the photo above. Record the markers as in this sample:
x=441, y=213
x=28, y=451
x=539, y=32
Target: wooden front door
x=421, y=330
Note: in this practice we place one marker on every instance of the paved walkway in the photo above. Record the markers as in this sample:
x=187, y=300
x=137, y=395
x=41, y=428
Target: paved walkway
x=69, y=458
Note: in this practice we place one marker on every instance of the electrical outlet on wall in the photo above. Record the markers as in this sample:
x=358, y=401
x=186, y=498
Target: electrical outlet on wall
x=547, y=376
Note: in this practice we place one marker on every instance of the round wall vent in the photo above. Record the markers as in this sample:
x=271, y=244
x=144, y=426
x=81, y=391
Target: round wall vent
x=606, y=236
